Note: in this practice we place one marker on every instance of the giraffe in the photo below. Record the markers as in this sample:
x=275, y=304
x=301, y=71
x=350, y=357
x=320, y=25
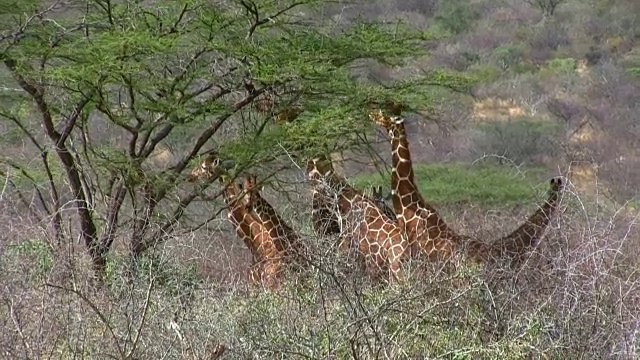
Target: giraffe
x=324, y=212
x=363, y=225
x=526, y=237
x=284, y=237
x=265, y=267
x=381, y=201
x=425, y=227
x=426, y=230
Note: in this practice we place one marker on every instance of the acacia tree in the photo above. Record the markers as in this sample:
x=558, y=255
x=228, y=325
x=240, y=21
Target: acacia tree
x=547, y=7
x=108, y=83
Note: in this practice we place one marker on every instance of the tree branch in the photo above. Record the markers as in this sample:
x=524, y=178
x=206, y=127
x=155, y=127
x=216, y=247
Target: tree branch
x=88, y=228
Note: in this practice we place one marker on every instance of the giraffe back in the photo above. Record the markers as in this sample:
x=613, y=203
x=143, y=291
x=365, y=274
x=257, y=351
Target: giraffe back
x=378, y=238
x=364, y=227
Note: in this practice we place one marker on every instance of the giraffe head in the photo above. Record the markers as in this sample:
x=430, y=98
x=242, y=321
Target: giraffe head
x=377, y=195
x=319, y=167
x=556, y=184
x=393, y=124
x=556, y=187
x=209, y=168
x=233, y=190
x=251, y=189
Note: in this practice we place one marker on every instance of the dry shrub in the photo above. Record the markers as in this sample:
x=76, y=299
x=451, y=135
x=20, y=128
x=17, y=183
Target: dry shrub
x=575, y=297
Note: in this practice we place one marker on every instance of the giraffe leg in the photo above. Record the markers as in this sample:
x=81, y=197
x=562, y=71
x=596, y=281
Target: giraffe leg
x=254, y=273
x=270, y=276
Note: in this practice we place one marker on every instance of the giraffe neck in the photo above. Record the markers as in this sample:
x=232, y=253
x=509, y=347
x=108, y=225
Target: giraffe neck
x=239, y=217
x=347, y=195
x=268, y=215
x=531, y=231
x=405, y=195
x=421, y=222
x=283, y=237
x=323, y=211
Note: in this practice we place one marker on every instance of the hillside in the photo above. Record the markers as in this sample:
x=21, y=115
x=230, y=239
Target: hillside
x=126, y=126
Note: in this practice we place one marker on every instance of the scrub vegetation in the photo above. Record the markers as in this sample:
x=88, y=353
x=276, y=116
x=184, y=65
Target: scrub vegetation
x=107, y=251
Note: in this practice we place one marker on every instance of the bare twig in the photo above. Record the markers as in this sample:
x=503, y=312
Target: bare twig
x=96, y=310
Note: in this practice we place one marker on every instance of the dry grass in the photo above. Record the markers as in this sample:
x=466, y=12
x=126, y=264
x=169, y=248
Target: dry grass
x=577, y=297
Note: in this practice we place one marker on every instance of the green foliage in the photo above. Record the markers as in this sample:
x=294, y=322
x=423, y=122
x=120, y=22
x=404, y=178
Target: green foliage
x=507, y=56
x=521, y=140
x=487, y=185
x=335, y=121
x=16, y=7
x=189, y=73
x=37, y=254
x=560, y=66
x=170, y=277
x=634, y=71
x=455, y=16
x=484, y=73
